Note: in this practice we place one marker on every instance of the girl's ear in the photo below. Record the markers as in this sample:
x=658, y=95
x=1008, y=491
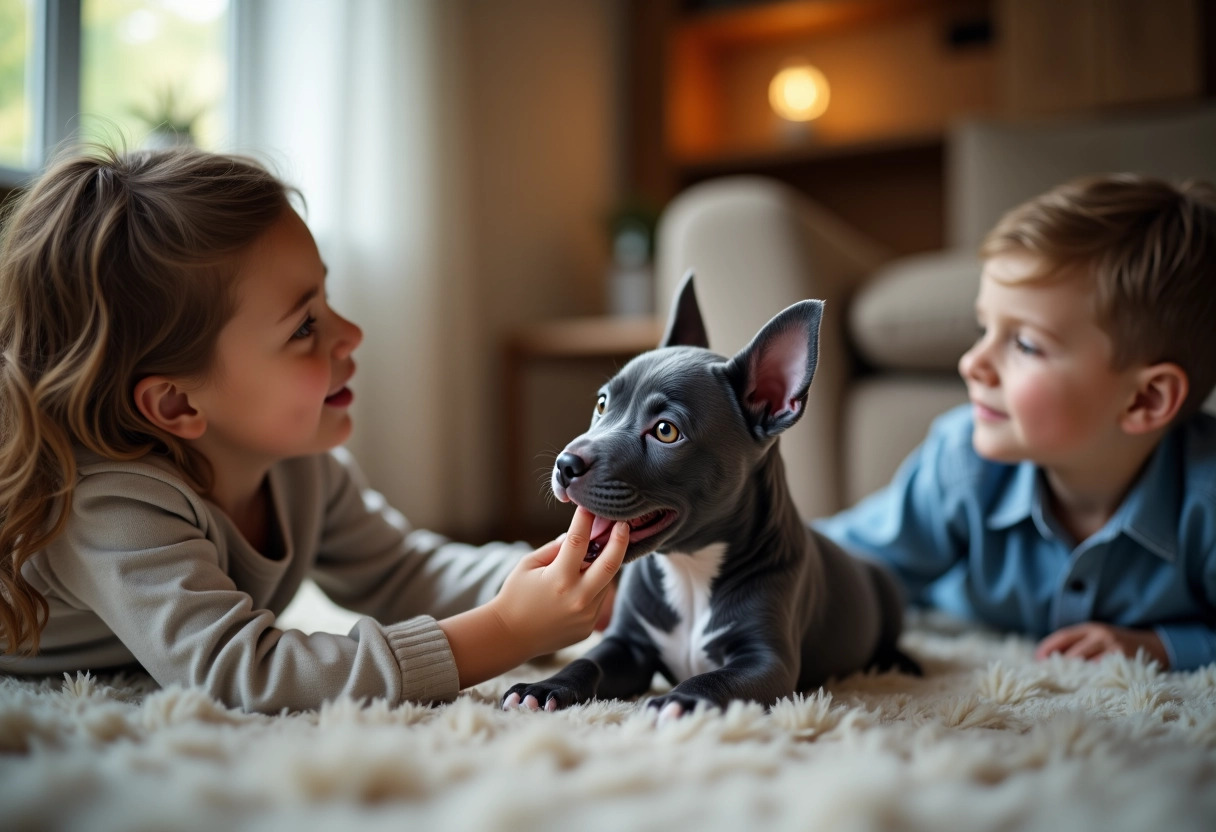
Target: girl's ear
x=1160, y=395
x=163, y=403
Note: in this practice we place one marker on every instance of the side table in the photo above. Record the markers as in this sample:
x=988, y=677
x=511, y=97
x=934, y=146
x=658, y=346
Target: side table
x=590, y=346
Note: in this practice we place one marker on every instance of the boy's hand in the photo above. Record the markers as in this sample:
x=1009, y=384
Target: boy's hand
x=552, y=599
x=1093, y=639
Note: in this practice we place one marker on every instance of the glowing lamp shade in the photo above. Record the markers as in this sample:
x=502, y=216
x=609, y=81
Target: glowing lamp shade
x=799, y=92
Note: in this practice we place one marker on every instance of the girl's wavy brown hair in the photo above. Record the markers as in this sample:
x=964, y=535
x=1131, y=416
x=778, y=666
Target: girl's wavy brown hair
x=113, y=267
x=1149, y=248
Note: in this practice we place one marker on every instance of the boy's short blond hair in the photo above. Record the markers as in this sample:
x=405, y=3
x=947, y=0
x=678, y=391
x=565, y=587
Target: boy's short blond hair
x=1150, y=248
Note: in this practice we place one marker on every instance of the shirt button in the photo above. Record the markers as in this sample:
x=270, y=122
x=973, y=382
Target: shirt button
x=1076, y=585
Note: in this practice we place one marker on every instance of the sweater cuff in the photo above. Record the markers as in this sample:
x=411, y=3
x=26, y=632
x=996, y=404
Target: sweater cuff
x=428, y=668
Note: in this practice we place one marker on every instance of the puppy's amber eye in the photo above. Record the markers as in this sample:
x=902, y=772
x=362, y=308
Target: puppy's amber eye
x=666, y=432
x=600, y=404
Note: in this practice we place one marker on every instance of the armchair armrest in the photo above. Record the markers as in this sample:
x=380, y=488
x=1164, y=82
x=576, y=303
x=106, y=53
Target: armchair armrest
x=758, y=246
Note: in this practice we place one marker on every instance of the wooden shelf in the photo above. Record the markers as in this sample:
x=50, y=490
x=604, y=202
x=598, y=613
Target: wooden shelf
x=792, y=18
x=898, y=76
x=901, y=73
x=805, y=153
x=895, y=79
x=590, y=337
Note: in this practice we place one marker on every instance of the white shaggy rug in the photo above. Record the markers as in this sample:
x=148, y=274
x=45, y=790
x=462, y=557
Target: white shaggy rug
x=988, y=739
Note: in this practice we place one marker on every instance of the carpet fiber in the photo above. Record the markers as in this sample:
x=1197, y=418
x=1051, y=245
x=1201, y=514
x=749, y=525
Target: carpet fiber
x=988, y=739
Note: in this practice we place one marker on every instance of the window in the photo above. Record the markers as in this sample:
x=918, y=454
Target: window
x=154, y=70
x=16, y=25
x=124, y=72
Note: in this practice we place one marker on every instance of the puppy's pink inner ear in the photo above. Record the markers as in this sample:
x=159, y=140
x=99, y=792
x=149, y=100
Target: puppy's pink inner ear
x=778, y=372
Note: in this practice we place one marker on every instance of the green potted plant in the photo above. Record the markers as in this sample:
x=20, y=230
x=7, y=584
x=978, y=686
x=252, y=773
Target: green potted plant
x=169, y=122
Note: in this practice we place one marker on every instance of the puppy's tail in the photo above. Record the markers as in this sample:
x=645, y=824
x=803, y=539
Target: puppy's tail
x=890, y=657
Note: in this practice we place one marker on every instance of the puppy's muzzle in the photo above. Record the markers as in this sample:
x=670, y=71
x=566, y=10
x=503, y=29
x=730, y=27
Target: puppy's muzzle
x=569, y=467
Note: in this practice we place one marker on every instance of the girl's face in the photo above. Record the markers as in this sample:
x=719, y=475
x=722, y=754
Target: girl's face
x=1040, y=377
x=278, y=385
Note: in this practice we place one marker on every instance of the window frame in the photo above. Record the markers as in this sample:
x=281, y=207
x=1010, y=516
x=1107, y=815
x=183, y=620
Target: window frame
x=54, y=82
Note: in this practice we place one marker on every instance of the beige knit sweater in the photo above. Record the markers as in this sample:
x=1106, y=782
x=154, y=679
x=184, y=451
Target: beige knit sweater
x=149, y=572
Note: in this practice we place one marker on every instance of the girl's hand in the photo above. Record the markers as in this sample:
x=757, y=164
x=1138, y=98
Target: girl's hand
x=1092, y=639
x=552, y=599
x=605, y=618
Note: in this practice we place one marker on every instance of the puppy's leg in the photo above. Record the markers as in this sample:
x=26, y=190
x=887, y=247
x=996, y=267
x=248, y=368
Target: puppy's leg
x=891, y=607
x=756, y=672
x=616, y=668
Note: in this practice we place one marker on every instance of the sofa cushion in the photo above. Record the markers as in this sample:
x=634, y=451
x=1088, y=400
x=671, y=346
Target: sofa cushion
x=885, y=416
x=917, y=312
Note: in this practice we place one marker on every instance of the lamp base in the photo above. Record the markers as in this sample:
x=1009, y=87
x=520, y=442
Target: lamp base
x=793, y=133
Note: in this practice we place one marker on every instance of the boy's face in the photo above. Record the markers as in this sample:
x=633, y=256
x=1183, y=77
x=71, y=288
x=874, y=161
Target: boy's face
x=1040, y=377
x=278, y=384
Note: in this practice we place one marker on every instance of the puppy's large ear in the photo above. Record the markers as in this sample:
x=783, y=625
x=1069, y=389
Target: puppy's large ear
x=772, y=374
x=684, y=325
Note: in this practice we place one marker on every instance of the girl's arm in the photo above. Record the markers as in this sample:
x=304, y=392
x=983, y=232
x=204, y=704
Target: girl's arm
x=551, y=600
x=371, y=560
x=143, y=562
x=147, y=567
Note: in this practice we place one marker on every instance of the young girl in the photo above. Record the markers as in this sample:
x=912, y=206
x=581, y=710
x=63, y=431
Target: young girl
x=172, y=384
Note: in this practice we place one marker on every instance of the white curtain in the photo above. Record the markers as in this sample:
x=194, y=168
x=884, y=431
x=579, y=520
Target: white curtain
x=359, y=104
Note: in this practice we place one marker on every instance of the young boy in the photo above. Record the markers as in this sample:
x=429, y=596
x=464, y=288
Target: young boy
x=1074, y=499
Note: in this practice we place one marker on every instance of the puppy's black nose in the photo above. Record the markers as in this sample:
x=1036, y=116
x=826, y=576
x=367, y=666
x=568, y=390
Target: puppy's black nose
x=568, y=467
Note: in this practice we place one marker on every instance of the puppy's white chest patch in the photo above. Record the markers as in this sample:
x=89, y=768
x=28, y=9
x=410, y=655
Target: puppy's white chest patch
x=686, y=581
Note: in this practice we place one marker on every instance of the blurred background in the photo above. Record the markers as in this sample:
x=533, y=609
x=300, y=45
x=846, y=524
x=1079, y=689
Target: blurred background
x=484, y=176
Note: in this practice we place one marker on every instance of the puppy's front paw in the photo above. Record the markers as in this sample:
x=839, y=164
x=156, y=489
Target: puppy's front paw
x=674, y=705
x=551, y=695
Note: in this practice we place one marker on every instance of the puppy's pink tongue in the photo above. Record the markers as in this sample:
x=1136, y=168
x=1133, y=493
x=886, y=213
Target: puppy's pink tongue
x=600, y=526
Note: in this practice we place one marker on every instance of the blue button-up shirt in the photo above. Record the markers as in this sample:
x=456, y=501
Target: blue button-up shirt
x=976, y=539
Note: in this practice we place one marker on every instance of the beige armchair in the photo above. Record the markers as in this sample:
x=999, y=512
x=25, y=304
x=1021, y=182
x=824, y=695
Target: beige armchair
x=893, y=328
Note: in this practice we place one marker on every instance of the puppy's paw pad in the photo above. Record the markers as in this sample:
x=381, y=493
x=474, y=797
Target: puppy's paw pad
x=536, y=696
x=670, y=712
x=674, y=706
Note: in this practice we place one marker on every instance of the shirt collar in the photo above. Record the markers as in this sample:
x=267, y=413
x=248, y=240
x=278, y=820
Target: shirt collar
x=1149, y=512
x=1017, y=499
x=1146, y=514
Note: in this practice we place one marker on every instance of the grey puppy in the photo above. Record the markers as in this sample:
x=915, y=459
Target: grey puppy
x=743, y=601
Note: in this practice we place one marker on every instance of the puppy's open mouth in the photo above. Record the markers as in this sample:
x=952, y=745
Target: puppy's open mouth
x=640, y=527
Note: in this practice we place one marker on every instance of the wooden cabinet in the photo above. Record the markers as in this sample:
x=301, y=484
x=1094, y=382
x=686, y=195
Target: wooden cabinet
x=895, y=71
x=901, y=72
x=1062, y=56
